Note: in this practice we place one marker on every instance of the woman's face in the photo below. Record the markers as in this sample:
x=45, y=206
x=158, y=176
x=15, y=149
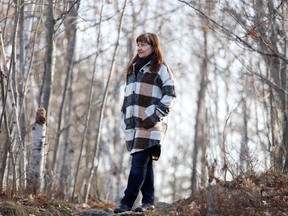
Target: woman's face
x=144, y=49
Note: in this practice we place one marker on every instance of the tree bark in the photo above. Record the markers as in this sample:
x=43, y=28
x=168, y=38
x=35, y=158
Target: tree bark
x=48, y=67
x=244, y=144
x=4, y=133
x=284, y=85
x=200, y=114
x=20, y=93
x=203, y=146
x=35, y=176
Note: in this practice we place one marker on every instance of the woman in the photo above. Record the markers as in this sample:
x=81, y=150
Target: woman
x=149, y=95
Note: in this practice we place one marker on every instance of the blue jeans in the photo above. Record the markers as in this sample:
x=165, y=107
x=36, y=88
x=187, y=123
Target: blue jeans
x=141, y=178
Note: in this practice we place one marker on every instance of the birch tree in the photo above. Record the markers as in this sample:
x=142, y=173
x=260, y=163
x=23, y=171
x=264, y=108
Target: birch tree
x=16, y=146
x=35, y=177
x=5, y=136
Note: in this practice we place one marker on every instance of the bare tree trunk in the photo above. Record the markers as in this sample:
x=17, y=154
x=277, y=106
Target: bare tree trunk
x=29, y=44
x=95, y=158
x=174, y=182
x=4, y=134
x=244, y=147
x=67, y=169
x=25, y=23
x=272, y=116
x=284, y=86
x=199, y=134
x=70, y=33
x=35, y=176
x=47, y=79
x=17, y=129
x=48, y=67
x=14, y=88
x=21, y=58
x=203, y=146
x=119, y=151
x=46, y=92
x=21, y=95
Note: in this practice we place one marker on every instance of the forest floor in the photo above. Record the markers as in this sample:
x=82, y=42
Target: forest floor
x=254, y=196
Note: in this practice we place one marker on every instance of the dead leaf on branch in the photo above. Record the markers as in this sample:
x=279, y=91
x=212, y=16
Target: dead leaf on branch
x=249, y=183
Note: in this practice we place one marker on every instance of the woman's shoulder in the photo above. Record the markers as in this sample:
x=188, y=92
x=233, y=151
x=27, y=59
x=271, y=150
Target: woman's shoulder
x=165, y=69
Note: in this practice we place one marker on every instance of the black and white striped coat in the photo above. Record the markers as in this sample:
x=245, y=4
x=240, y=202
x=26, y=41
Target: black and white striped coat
x=144, y=94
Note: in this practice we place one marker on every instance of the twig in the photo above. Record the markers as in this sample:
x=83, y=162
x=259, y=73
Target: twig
x=2, y=21
x=64, y=14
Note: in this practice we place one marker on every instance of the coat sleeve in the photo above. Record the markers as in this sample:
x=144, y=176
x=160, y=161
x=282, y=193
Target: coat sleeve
x=122, y=119
x=168, y=90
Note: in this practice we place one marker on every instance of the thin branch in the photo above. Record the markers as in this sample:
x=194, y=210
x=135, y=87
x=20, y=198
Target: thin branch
x=3, y=19
x=63, y=15
x=91, y=55
x=66, y=12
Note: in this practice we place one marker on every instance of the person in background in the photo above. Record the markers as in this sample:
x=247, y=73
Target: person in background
x=148, y=99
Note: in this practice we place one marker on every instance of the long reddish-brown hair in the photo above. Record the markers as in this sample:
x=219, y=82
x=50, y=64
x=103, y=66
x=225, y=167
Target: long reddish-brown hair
x=157, y=57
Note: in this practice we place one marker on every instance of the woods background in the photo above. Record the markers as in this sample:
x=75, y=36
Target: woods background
x=68, y=58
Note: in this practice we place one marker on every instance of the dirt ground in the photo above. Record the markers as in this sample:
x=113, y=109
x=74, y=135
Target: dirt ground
x=266, y=194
